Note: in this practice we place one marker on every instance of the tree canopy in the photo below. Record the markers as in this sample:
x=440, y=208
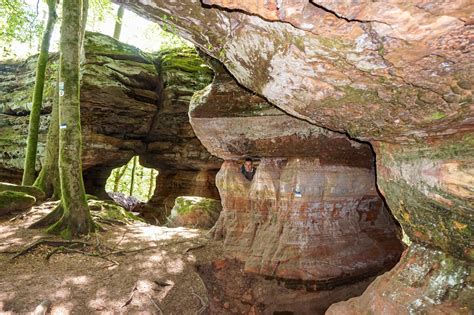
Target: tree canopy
x=22, y=22
x=18, y=22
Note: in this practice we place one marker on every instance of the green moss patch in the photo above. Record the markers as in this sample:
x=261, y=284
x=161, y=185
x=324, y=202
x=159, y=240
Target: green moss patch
x=100, y=44
x=183, y=59
x=37, y=193
x=428, y=221
x=194, y=211
x=109, y=212
x=437, y=116
x=12, y=201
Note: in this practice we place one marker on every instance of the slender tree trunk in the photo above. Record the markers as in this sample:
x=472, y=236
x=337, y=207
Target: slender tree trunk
x=118, y=176
x=85, y=10
x=150, y=187
x=116, y=173
x=132, y=181
x=48, y=178
x=32, y=142
x=118, y=22
x=140, y=179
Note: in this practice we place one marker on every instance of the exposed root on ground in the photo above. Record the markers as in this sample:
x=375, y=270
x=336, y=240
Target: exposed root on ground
x=98, y=249
x=95, y=274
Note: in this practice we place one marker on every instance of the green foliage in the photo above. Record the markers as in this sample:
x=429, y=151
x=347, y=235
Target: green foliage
x=99, y=10
x=18, y=22
x=167, y=35
x=144, y=181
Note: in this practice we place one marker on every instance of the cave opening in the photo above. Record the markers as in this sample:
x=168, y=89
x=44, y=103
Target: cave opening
x=132, y=183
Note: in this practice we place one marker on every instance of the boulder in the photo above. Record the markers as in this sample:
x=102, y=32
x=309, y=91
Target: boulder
x=30, y=190
x=15, y=201
x=195, y=212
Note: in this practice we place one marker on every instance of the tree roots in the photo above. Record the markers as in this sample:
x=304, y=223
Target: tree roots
x=91, y=249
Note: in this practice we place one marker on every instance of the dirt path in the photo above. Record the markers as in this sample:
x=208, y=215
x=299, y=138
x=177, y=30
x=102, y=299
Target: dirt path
x=160, y=280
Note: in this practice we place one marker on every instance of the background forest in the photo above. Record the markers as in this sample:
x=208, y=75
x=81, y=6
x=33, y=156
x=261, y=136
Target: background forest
x=133, y=179
x=23, y=21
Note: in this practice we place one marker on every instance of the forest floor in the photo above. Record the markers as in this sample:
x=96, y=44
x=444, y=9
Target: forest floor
x=133, y=269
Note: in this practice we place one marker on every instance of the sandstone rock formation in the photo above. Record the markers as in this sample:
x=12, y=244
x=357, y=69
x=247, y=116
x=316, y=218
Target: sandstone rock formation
x=312, y=209
x=173, y=183
x=392, y=73
x=425, y=281
x=194, y=212
x=233, y=291
x=132, y=103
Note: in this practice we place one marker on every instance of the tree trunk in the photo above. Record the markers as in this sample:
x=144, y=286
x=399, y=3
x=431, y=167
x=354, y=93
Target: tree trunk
x=118, y=22
x=140, y=180
x=48, y=178
x=85, y=10
x=132, y=181
x=32, y=142
x=118, y=176
x=150, y=187
x=76, y=219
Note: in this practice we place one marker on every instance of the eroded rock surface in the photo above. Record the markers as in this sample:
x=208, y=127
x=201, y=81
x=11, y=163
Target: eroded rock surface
x=311, y=217
x=374, y=70
x=393, y=73
x=425, y=281
x=337, y=231
x=233, y=291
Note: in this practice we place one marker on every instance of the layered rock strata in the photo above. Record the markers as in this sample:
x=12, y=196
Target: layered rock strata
x=132, y=103
x=334, y=229
x=395, y=74
x=311, y=217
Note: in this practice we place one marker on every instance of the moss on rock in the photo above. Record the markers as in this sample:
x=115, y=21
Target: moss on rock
x=182, y=66
x=109, y=212
x=100, y=44
x=11, y=201
x=193, y=211
x=37, y=193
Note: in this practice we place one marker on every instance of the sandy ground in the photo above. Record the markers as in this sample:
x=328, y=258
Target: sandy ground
x=159, y=280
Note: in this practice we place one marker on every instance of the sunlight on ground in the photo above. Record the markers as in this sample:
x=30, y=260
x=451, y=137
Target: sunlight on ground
x=164, y=274
x=158, y=233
